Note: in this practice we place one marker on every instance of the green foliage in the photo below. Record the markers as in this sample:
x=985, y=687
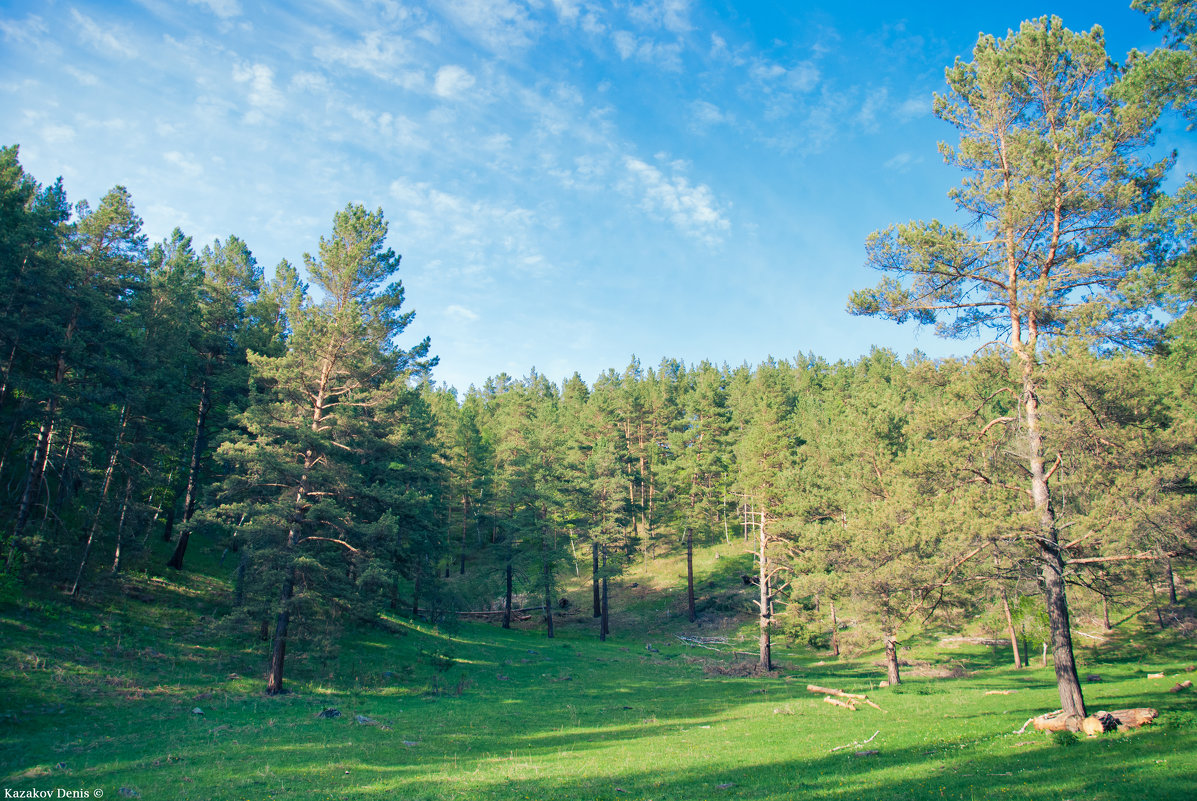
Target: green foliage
x=1064, y=739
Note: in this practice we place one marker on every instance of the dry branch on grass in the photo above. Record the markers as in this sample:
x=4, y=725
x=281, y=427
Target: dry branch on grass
x=853, y=697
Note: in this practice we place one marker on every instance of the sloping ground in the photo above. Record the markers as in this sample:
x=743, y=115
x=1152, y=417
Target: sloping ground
x=104, y=698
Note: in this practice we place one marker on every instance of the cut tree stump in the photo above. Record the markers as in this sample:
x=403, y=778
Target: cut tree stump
x=1099, y=723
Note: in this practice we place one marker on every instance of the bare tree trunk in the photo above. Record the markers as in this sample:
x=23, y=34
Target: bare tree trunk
x=891, y=661
x=198, y=444
x=548, y=598
x=1105, y=613
x=1171, y=580
x=95, y=520
x=605, y=619
x=765, y=601
x=507, y=597
x=1068, y=684
x=465, y=514
x=835, y=630
x=690, y=574
x=1010, y=631
x=594, y=579
x=120, y=525
x=278, y=649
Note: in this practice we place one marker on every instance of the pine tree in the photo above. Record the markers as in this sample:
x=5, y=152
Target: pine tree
x=1052, y=172
x=297, y=476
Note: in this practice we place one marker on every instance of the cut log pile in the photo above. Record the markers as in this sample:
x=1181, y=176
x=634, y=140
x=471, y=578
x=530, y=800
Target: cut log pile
x=1099, y=723
x=841, y=698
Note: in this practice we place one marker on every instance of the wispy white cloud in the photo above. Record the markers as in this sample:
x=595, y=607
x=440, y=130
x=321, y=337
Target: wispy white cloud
x=83, y=77
x=706, y=114
x=902, y=162
x=225, y=9
x=672, y=15
x=460, y=313
x=913, y=107
x=382, y=54
x=484, y=235
x=502, y=26
x=874, y=102
x=28, y=31
x=108, y=40
x=263, y=96
x=648, y=50
x=58, y=134
x=693, y=210
x=452, y=80
x=188, y=167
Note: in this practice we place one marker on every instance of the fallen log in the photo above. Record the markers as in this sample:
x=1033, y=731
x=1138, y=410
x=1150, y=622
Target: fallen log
x=814, y=688
x=1183, y=685
x=1057, y=721
x=1155, y=675
x=837, y=702
x=1134, y=718
x=864, y=699
x=998, y=692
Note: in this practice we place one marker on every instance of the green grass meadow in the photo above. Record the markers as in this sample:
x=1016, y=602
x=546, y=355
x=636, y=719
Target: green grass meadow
x=102, y=697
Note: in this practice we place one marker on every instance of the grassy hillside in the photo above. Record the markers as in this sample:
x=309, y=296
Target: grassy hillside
x=134, y=697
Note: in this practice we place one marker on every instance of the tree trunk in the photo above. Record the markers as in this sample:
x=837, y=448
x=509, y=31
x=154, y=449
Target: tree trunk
x=548, y=598
x=95, y=520
x=605, y=618
x=415, y=593
x=120, y=525
x=1105, y=613
x=465, y=514
x=1171, y=580
x=835, y=630
x=198, y=444
x=37, y=460
x=891, y=662
x=1068, y=684
x=278, y=649
x=766, y=601
x=507, y=597
x=1010, y=631
x=594, y=579
x=690, y=574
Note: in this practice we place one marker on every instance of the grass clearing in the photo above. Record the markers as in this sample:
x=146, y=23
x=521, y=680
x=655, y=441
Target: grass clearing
x=103, y=697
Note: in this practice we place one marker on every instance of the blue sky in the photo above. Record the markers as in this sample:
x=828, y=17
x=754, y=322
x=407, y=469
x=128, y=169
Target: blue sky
x=570, y=182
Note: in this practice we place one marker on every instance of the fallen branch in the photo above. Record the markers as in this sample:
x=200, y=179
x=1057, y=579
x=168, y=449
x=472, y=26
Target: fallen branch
x=837, y=702
x=814, y=688
x=1032, y=720
x=998, y=692
x=853, y=745
x=703, y=642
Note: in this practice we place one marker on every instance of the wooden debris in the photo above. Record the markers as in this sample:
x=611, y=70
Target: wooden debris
x=814, y=688
x=1057, y=721
x=874, y=752
x=1183, y=685
x=1099, y=723
x=854, y=745
x=998, y=692
x=837, y=702
x=1093, y=677
x=1155, y=675
x=853, y=697
x=1134, y=718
